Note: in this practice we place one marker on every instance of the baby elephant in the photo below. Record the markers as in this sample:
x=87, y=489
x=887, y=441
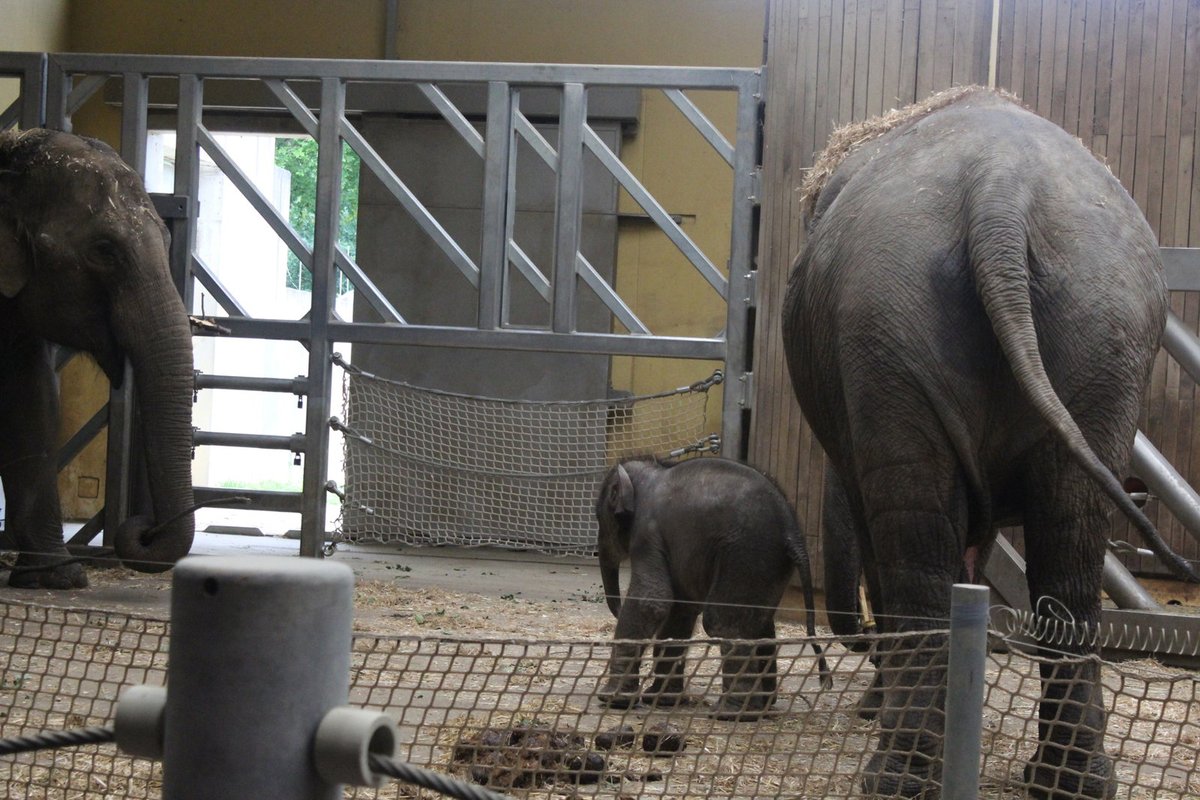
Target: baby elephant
x=708, y=536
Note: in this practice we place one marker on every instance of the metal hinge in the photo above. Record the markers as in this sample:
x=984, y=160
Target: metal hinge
x=747, y=382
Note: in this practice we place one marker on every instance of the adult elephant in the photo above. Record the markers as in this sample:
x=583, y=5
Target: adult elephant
x=969, y=331
x=83, y=263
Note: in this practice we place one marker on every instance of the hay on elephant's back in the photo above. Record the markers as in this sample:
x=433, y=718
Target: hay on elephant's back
x=848, y=138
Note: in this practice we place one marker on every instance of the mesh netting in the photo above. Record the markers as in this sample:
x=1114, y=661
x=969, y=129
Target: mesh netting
x=524, y=717
x=426, y=467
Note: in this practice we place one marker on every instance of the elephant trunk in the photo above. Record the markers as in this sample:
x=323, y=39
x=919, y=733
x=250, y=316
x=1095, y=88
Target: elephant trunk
x=152, y=328
x=610, y=576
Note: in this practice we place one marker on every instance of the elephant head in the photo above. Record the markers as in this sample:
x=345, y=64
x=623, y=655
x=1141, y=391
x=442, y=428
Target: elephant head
x=614, y=513
x=83, y=260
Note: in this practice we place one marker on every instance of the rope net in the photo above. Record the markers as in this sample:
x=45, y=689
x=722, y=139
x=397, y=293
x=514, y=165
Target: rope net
x=525, y=718
x=425, y=467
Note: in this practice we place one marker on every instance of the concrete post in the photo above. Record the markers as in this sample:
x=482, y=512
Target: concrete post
x=260, y=651
x=964, y=692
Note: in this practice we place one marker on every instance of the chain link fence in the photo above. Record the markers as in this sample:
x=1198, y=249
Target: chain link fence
x=426, y=467
x=523, y=717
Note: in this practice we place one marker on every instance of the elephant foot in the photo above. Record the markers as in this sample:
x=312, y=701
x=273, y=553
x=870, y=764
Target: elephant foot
x=43, y=571
x=619, y=694
x=664, y=693
x=744, y=708
x=663, y=699
x=903, y=775
x=1049, y=778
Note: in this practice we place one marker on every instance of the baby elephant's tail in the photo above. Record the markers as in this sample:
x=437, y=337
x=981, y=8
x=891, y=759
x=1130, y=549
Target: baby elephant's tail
x=799, y=555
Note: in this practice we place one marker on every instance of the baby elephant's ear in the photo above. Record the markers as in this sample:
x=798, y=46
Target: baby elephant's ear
x=623, y=497
x=14, y=260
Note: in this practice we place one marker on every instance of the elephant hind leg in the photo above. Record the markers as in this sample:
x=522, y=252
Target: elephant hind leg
x=919, y=554
x=1065, y=519
x=749, y=669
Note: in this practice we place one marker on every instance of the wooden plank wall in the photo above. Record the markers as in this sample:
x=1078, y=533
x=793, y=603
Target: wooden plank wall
x=1125, y=77
x=1122, y=75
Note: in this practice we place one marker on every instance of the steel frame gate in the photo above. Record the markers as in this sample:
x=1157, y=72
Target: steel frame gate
x=313, y=94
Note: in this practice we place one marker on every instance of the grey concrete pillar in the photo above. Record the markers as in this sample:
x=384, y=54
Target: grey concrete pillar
x=260, y=651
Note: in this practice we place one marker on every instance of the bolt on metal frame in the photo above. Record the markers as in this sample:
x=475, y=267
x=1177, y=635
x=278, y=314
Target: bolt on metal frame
x=313, y=94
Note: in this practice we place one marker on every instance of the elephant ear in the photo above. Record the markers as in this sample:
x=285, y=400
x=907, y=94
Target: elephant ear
x=622, y=498
x=14, y=260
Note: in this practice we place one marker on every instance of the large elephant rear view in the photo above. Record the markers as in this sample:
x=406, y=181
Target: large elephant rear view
x=83, y=263
x=969, y=331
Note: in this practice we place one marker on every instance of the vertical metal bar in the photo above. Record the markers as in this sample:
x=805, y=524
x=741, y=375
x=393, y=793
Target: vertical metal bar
x=187, y=184
x=58, y=88
x=135, y=96
x=118, y=477
x=125, y=488
x=737, y=399
x=33, y=95
x=498, y=151
x=568, y=205
x=320, y=349
x=964, y=692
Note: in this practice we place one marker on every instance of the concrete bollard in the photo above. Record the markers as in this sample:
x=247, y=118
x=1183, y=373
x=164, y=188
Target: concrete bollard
x=260, y=651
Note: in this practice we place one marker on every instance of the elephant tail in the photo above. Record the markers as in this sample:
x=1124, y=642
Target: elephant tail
x=998, y=247
x=799, y=555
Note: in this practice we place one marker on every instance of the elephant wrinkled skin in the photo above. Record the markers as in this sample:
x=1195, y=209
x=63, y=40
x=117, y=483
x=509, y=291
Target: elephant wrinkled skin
x=83, y=263
x=707, y=537
x=969, y=331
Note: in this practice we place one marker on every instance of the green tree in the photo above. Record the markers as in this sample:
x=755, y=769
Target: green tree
x=299, y=157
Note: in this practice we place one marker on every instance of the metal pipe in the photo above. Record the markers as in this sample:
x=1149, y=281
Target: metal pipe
x=247, y=694
x=1182, y=344
x=964, y=692
x=297, y=385
x=295, y=442
x=1162, y=479
x=1124, y=589
x=259, y=499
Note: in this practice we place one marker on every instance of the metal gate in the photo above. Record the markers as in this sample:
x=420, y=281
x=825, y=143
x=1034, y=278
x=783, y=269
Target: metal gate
x=318, y=98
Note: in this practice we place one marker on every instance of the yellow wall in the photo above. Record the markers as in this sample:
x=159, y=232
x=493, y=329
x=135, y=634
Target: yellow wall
x=30, y=25
x=33, y=25
x=674, y=163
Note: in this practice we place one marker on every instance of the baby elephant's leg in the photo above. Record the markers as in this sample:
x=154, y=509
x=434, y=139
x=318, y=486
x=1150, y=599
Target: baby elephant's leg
x=749, y=672
x=641, y=618
x=670, y=656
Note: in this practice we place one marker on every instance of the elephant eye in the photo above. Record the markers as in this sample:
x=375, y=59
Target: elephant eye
x=105, y=250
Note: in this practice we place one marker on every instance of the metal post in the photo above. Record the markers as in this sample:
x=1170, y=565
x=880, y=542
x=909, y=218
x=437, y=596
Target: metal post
x=964, y=692
x=568, y=205
x=260, y=651
x=187, y=184
x=498, y=165
x=320, y=349
x=738, y=397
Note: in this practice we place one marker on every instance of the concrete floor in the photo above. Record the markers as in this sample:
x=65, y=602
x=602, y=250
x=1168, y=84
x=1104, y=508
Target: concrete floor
x=485, y=571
